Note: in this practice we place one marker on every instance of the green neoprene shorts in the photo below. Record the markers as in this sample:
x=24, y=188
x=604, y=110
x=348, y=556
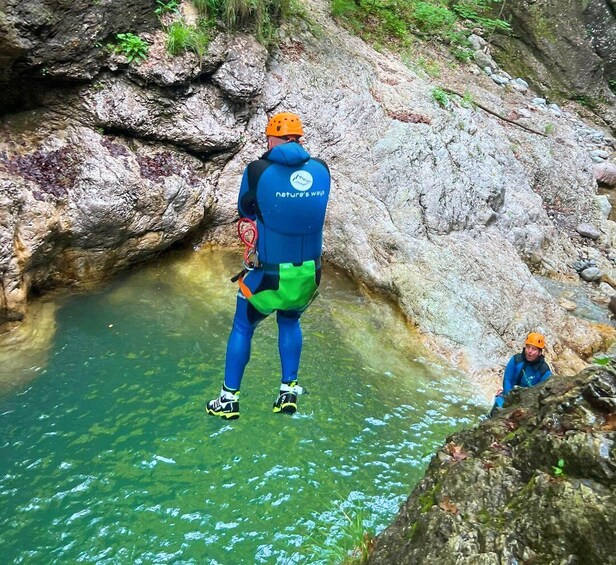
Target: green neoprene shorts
x=297, y=288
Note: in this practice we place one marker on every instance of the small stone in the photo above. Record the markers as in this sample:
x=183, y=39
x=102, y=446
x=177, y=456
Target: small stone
x=591, y=274
x=580, y=265
x=500, y=79
x=567, y=305
x=555, y=109
x=607, y=289
x=605, y=173
x=588, y=230
x=539, y=102
x=520, y=84
x=602, y=202
x=477, y=42
x=602, y=155
x=524, y=112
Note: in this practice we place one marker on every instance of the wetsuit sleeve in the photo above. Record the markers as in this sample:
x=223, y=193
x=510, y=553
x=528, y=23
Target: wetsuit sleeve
x=247, y=201
x=510, y=378
x=545, y=375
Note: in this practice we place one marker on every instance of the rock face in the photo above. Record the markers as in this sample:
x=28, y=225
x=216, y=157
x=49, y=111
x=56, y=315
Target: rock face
x=565, y=49
x=42, y=41
x=535, y=484
x=448, y=211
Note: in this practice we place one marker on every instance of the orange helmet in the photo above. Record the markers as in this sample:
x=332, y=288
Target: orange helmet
x=283, y=124
x=538, y=340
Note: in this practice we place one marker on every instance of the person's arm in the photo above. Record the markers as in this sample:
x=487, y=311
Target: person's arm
x=545, y=375
x=247, y=199
x=509, y=378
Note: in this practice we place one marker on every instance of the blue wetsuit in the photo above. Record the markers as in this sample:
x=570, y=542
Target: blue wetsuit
x=286, y=193
x=519, y=372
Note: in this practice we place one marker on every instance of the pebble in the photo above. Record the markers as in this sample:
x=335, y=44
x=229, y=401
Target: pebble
x=588, y=230
x=591, y=274
x=567, y=305
x=539, y=102
x=607, y=289
x=520, y=84
x=500, y=79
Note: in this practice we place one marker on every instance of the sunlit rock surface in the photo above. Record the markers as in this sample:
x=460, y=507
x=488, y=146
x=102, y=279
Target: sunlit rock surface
x=449, y=211
x=537, y=483
x=25, y=348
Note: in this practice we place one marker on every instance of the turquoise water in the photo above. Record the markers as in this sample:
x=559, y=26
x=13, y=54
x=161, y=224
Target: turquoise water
x=106, y=455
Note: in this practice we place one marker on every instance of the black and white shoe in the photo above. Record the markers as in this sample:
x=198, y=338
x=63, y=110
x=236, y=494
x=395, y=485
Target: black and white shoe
x=227, y=405
x=286, y=403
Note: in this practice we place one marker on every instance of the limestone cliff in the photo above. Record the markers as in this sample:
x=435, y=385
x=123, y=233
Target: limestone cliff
x=449, y=210
x=535, y=484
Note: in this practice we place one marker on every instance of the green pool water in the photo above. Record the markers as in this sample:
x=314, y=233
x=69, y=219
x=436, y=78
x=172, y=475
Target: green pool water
x=106, y=454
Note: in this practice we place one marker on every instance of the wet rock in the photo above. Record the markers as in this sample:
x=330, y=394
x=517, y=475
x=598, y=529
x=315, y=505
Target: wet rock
x=588, y=230
x=538, y=481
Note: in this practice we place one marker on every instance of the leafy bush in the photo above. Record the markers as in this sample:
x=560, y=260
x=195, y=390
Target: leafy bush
x=163, y=7
x=432, y=18
x=449, y=21
x=131, y=46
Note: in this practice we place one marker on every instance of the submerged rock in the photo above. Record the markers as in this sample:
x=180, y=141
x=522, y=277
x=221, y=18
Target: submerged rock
x=537, y=483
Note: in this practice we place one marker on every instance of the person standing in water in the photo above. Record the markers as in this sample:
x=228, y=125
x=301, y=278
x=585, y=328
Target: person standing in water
x=528, y=368
x=285, y=193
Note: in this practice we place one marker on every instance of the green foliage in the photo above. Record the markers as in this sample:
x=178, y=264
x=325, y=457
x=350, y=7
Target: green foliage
x=397, y=21
x=549, y=128
x=163, y=7
x=601, y=360
x=261, y=17
x=467, y=100
x=477, y=12
x=440, y=96
x=182, y=37
x=131, y=46
x=558, y=470
x=612, y=85
x=431, y=18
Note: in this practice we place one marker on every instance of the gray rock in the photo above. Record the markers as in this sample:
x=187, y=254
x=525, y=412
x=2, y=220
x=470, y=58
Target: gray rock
x=591, y=274
x=495, y=490
x=539, y=102
x=500, y=79
x=520, y=84
x=484, y=60
x=602, y=203
x=605, y=173
x=599, y=154
x=588, y=230
x=242, y=74
x=555, y=109
x=477, y=42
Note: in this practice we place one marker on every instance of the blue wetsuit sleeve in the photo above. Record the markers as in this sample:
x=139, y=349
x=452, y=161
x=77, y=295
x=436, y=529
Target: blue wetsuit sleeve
x=545, y=376
x=509, y=379
x=247, y=201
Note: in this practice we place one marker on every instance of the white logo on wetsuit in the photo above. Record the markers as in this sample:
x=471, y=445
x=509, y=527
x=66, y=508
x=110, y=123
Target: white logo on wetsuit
x=301, y=180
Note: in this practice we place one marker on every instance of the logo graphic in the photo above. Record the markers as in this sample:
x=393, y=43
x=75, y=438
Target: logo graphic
x=301, y=180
